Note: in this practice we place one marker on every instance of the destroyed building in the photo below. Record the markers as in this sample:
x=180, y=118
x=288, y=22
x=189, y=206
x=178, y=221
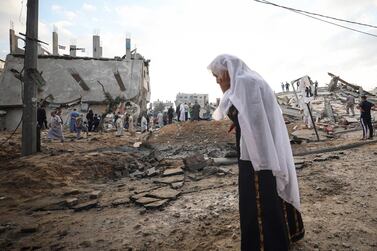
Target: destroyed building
x=327, y=104
x=68, y=80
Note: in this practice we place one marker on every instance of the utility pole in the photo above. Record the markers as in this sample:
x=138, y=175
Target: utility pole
x=29, y=123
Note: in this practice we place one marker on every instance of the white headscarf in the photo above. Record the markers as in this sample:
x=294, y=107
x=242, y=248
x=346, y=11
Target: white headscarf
x=264, y=138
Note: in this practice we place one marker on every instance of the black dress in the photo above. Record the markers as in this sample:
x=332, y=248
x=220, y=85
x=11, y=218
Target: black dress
x=267, y=222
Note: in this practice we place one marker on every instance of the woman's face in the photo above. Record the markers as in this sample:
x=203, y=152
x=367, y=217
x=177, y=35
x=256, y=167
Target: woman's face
x=223, y=79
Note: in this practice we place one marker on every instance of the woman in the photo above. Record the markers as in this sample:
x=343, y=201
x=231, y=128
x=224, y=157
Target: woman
x=55, y=131
x=269, y=200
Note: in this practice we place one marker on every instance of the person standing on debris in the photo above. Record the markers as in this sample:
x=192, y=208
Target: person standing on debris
x=269, y=199
x=41, y=117
x=72, y=121
x=178, y=112
x=182, y=116
x=315, y=88
x=160, y=118
x=144, y=124
x=282, y=86
x=365, y=117
x=80, y=126
x=170, y=114
x=96, y=121
x=131, y=127
x=90, y=119
x=195, y=111
x=287, y=86
x=119, y=124
x=55, y=131
x=350, y=103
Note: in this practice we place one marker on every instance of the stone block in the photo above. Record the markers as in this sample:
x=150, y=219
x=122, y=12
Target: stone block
x=173, y=171
x=157, y=204
x=164, y=193
x=95, y=195
x=170, y=179
x=195, y=162
x=85, y=206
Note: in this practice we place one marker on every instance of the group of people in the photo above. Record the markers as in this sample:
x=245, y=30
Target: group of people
x=187, y=112
x=285, y=87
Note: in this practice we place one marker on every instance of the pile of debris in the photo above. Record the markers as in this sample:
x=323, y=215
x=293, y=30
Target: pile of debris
x=327, y=107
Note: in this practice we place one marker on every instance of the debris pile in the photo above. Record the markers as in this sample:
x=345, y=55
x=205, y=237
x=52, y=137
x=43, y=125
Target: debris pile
x=327, y=106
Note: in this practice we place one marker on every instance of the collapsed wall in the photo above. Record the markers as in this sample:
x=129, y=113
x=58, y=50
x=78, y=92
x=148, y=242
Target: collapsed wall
x=74, y=78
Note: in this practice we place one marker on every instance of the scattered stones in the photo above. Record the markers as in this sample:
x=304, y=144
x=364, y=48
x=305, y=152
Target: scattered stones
x=85, y=206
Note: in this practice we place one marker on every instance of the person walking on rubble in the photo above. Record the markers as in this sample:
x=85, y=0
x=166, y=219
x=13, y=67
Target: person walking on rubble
x=119, y=124
x=80, y=126
x=170, y=114
x=143, y=124
x=182, y=115
x=269, y=201
x=72, y=122
x=287, y=86
x=195, y=111
x=282, y=86
x=350, y=103
x=365, y=117
x=90, y=119
x=55, y=131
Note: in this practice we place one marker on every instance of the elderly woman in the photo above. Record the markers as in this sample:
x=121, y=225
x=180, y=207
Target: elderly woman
x=269, y=200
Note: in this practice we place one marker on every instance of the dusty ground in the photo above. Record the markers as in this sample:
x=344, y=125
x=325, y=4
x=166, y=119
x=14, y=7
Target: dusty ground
x=338, y=192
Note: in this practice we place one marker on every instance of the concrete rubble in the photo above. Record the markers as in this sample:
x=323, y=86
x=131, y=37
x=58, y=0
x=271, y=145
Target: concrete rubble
x=327, y=107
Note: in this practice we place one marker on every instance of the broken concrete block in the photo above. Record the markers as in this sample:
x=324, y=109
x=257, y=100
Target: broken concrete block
x=195, y=162
x=224, y=161
x=72, y=192
x=95, y=195
x=71, y=202
x=138, y=196
x=173, y=171
x=152, y=172
x=170, y=179
x=137, y=144
x=119, y=202
x=164, y=193
x=177, y=185
x=157, y=204
x=85, y=206
x=146, y=200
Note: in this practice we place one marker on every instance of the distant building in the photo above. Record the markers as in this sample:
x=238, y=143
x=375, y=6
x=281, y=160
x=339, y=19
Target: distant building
x=166, y=104
x=191, y=98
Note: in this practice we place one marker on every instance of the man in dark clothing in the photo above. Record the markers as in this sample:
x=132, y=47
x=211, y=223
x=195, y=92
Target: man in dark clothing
x=41, y=117
x=90, y=118
x=287, y=86
x=178, y=111
x=365, y=117
x=195, y=111
x=170, y=114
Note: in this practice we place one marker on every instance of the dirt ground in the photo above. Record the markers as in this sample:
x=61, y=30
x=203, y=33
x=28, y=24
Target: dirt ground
x=338, y=193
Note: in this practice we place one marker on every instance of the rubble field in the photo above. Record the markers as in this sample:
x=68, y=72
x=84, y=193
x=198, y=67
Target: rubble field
x=176, y=190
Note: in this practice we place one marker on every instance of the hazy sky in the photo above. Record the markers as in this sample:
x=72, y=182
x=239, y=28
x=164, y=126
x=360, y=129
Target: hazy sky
x=181, y=37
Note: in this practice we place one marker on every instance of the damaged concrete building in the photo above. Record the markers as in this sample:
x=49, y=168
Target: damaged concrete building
x=327, y=105
x=71, y=81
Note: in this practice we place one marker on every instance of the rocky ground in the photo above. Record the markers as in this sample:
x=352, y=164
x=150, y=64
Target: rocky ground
x=172, y=193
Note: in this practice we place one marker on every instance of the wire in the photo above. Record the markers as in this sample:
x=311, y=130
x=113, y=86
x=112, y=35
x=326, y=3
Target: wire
x=305, y=13
x=315, y=14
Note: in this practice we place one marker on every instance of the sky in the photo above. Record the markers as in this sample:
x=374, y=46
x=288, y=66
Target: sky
x=181, y=37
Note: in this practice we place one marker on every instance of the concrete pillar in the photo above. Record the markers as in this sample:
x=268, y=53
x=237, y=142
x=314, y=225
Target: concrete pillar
x=72, y=50
x=55, y=43
x=128, y=48
x=97, y=49
x=12, y=41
